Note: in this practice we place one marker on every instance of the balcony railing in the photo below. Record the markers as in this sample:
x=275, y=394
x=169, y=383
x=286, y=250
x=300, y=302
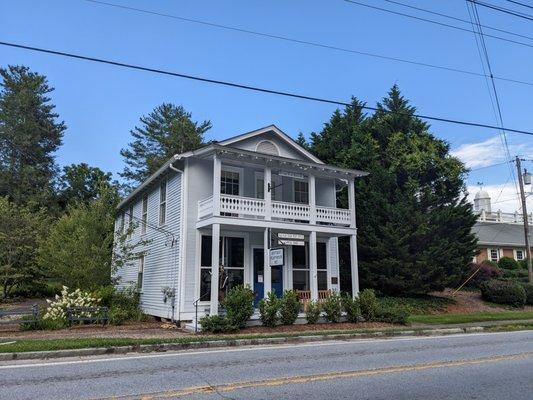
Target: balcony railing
x=500, y=216
x=249, y=207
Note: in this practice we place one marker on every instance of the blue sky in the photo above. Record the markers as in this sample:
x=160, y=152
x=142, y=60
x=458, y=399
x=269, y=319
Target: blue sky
x=100, y=103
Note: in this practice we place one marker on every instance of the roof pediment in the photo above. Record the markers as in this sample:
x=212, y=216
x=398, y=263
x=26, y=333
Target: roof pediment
x=270, y=140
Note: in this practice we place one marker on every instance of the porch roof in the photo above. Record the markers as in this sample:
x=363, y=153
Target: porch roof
x=272, y=160
x=241, y=155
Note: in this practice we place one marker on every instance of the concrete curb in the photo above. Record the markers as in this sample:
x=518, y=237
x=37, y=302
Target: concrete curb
x=146, y=348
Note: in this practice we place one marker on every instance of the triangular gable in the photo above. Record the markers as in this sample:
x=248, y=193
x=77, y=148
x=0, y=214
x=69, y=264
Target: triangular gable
x=261, y=138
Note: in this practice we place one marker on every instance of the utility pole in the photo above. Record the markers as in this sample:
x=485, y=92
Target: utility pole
x=526, y=223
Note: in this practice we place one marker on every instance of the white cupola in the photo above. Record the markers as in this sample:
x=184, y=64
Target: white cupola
x=482, y=201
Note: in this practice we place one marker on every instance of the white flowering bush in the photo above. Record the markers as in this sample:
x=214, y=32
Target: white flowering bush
x=57, y=308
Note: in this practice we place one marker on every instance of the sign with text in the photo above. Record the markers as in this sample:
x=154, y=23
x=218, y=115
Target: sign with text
x=277, y=257
x=284, y=242
x=293, y=236
x=289, y=174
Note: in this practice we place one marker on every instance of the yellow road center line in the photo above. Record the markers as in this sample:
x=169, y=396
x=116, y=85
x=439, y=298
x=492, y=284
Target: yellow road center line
x=299, y=379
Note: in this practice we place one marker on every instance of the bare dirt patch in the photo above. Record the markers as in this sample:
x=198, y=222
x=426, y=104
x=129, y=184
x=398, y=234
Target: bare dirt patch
x=467, y=302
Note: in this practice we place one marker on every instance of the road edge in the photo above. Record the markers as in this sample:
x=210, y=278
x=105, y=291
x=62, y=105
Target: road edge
x=147, y=348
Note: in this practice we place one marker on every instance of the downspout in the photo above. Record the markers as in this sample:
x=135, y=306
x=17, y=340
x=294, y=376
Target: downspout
x=173, y=168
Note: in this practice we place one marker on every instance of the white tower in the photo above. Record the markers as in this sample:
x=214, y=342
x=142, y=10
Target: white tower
x=482, y=201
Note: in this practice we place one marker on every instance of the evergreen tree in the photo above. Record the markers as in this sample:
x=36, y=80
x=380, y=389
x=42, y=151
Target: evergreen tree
x=29, y=135
x=414, y=223
x=166, y=131
x=81, y=183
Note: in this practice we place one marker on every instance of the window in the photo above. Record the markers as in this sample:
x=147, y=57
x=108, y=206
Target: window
x=494, y=254
x=144, y=216
x=300, y=268
x=301, y=192
x=231, y=258
x=130, y=221
x=140, y=273
x=322, y=266
x=519, y=255
x=162, y=202
x=275, y=186
x=229, y=182
x=121, y=224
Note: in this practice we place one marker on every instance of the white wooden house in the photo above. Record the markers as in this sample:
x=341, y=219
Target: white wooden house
x=213, y=217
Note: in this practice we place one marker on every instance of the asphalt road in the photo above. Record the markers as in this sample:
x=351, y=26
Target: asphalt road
x=475, y=366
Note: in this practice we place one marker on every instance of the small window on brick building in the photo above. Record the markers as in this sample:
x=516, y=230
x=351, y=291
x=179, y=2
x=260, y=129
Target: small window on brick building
x=494, y=254
x=519, y=255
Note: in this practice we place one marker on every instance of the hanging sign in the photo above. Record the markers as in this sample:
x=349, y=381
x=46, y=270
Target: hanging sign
x=291, y=242
x=293, y=236
x=276, y=257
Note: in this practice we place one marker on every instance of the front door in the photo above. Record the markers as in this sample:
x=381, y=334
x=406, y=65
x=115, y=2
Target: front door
x=259, y=276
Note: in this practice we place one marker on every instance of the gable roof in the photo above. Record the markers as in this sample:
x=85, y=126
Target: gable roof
x=279, y=133
x=499, y=234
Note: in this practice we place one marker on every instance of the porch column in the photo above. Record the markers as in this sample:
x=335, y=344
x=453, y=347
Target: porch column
x=312, y=199
x=313, y=274
x=268, y=184
x=215, y=236
x=217, y=168
x=351, y=201
x=267, y=279
x=354, y=265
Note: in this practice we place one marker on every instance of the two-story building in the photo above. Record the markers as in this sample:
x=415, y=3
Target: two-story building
x=255, y=209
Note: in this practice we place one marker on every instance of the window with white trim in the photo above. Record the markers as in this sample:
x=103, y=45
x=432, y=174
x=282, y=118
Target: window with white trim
x=130, y=221
x=519, y=255
x=301, y=192
x=140, y=273
x=231, y=258
x=494, y=254
x=121, y=223
x=300, y=267
x=322, y=265
x=229, y=182
x=144, y=217
x=163, y=202
x=275, y=186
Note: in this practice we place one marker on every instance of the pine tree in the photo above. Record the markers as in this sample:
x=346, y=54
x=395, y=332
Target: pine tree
x=166, y=131
x=414, y=223
x=29, y=135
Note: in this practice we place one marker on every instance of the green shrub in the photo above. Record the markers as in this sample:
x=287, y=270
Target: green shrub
x=523, y=263
x=369, y=304
x=41, y=324
x=37, y=289
x=312, y=313
x=125, y=306
x=392, y=315
x=508, y=263
x=269, y=310
x=528, y=288
x=516, y=275
x=216, y=324
x=332, y=307
x=105, y=294
x=289, y=308
x=504, y=292
x=239, y=305
x=485, y=272
x=351, y=307
x=490, y=262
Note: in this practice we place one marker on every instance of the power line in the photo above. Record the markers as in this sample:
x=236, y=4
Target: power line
x=520, y=4
x=503, y=10
x=304, y=42
x=452, y=18
x=252, y=88
x=434, y=22
x=488, y=166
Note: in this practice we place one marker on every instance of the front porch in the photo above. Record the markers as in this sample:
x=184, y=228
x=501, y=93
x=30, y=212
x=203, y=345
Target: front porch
x=231, y=255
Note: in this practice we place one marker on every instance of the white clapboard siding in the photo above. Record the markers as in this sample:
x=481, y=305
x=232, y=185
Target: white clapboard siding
x=162, y=255
x=333, y=254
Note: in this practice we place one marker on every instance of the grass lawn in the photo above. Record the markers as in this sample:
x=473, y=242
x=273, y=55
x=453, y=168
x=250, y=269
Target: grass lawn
x=472, y=317
x=24, y=345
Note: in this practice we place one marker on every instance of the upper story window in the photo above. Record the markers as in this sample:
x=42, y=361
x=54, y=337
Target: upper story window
x=144, y=216
x=163, y=202
x=267, y=147
x=230, y=182
x=519, y=255
x=494, y=254
x=301, y=192
x=130, y=221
